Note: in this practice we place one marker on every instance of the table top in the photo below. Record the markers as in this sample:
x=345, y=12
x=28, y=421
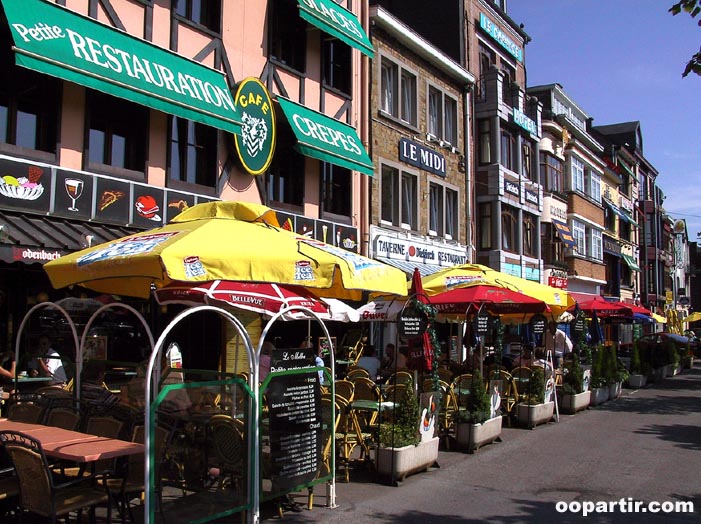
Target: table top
x=22, y=380
x=372, y=405
x=73, y=445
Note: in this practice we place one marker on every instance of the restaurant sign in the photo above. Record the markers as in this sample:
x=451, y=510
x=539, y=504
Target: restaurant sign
x=417, y=155
x=412, y=250
x=256, y=143
x=521, y=120
x=511, y=187
x=59, y=42
x=497, y=34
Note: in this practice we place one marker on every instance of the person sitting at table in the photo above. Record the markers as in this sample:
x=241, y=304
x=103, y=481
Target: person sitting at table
x=370, y=362
x=49, y=363
x=92, y=385
x=7, y=374
x=388, y=362
x=266, y=350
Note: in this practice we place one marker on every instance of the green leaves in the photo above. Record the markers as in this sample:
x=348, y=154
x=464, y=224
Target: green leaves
x=693, y=8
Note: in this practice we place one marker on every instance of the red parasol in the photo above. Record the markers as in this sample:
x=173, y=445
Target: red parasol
x=497, y=300
x=258, y=297
x=420, y=348
x=603, y=308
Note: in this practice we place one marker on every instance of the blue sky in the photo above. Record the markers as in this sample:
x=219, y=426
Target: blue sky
x=622, y=60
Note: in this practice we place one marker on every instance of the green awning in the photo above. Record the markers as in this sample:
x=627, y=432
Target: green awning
x=632, y=264
x=337, y=21
x=325, y=138
x=56, y=41
x=629, y=218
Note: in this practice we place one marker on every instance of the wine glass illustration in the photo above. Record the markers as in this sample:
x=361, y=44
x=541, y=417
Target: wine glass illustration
x=74, y=188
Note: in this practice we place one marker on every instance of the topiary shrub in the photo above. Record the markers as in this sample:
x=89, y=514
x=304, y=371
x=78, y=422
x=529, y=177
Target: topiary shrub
x=573, y=380
x=405, y=429
x=536, y=386
x=478, y=405
x=598, y=380
x=636, y=365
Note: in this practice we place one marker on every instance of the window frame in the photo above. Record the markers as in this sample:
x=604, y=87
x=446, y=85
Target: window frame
x=577, y=175
x=189, y=18
x=284, y=188
x=594, y=183
x=287, y=36
x=339, y=71
x=509, y=228
x=485, y=222
x=441, y=122
x=441, y=224
x=597, y=244
x=528, y=235
x=549, y=172
x=400, y=175
x=508, y=158
x=579, y=234
x=330, y=173
x=399, y=109
x=199, y=141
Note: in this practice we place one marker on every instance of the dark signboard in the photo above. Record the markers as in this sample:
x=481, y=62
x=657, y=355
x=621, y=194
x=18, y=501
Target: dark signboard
x=294, y=407
x=418, y=155
x=412, y=323
x=481, y=323
x=74, y=195
x=538, y=323
x=25, y=186
x=304, y=226
x=148, y=204
x=324, y=231
x=577, y=327
x=112, y=201
x=176, y=203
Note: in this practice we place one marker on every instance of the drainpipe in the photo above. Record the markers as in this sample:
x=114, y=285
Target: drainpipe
x=468, y=123
x=364, y=219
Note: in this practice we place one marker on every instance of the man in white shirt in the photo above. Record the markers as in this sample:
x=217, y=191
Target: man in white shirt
x=50, y=364
x=559, y=343
x=370, y=362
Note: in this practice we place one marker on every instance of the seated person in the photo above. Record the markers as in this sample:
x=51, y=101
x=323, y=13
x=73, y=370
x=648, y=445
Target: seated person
x=370, y=362
x=49, y=363
x=7, y=368
x=92, y=385
x=389, y=365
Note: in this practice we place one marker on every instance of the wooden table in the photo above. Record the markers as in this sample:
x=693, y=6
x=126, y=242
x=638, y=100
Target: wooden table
x=73, y=445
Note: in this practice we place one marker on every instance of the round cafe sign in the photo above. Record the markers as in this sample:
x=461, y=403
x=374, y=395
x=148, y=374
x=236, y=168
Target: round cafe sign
x=256, y=143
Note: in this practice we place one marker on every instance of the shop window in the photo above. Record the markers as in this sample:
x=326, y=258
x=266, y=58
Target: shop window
x=551, y=172
x=399, y=196
x=288, y=34
x=206, y=13
x=284, y=181
x=509, y=229
x=29, y=105
x=485, y=226
x=336, y=191
x=117, y=134
x=337, y=65
x=398, y=91
x=193, y=153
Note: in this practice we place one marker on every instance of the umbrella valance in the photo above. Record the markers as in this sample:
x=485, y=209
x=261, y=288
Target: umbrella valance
x=224, y=241
x=495, y=299
x=603, y=308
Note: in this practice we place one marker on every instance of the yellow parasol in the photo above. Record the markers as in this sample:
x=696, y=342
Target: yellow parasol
x=224, y=241
x=467, y=275
x=695, y=316
x=659, y=318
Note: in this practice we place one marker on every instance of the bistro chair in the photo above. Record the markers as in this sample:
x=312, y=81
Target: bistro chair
x=26, y=407
x=38, y=492
x=401, y=377
x=228, y=443
x=345, y=389
x=357, y=372
x=64, y=416
x=522, y=378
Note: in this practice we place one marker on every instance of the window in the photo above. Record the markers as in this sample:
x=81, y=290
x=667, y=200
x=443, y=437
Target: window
x=529, y=237
x=609, y=219
x=597, y=245
x=399, y=198
x=485, y=225
x=487, y=58
x=398, y=91
x=284, y=181
x=594, y=181
x=443, y=207
x=579, y=234
x=526, y=160
x=201, y=12
x=442, y=115
x=551, y=172
x=288, y=34
x=117, y=133
x=509, y=229
x=577, y=181
x=507, y=150
x=484, y=144
x=508, y=78
x=29, y=105
x=336, y=190
x=337, y=65
x=193, y=153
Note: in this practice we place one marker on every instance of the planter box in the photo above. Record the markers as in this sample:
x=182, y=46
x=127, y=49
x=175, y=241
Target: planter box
x=637, y=381
x=688, y=362
x=599, y=395
x=669, y=370
x=677, y=369
x=532, y=415
x=572, y=403
x=657, y=374
x=397, y=463
x=614, y=391
x=471, y=437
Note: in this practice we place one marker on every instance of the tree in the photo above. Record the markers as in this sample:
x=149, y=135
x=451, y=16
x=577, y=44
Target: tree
x=693, y=8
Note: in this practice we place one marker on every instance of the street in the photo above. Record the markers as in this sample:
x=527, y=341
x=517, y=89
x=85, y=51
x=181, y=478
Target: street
x=641, y=447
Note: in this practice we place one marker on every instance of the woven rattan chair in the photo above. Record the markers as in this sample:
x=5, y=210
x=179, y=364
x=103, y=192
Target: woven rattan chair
x=38, y=492
x=29, y=408
x=229, y=447
x=345, y=389
x=357, y=373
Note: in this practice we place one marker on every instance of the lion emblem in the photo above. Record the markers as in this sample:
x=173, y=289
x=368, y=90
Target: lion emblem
x=254, y=134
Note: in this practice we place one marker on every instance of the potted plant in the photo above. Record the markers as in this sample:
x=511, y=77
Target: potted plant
x=636, y=377
x=598, y=383
x=616, y=373
x=574, y=397
x=402, y=450
x=535, y=410
x=479, y=423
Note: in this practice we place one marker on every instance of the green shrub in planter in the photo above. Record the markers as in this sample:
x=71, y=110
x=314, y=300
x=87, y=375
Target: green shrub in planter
x=573, y=380
x=636, y=365
x=536, y=386
x=598, y=379
x=478, y=405
x=405, y=429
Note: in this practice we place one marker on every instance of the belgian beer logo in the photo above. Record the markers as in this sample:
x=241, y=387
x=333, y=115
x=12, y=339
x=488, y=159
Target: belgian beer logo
x=256, y=143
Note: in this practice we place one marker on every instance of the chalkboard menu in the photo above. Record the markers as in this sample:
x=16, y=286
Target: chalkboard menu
x=577, y=327
x=294, y=406
x=538, y=323
x=412, y=323
x=481, y=323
